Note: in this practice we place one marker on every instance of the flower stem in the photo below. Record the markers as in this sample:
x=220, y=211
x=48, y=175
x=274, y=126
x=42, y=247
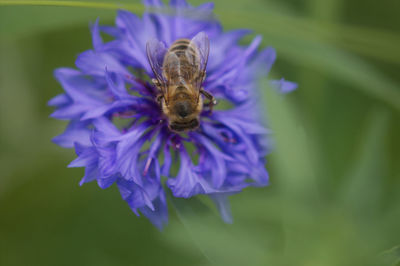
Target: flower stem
x=113, y=6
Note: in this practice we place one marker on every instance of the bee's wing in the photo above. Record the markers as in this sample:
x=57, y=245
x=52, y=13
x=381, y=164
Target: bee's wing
x=172, y=71
x=201, y=43
x=155, y=53
x=172, y=68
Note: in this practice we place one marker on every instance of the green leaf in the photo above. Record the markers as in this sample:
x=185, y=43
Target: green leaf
x=363, y=183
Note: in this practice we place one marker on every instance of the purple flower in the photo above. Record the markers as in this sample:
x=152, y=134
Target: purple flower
x=119, y=131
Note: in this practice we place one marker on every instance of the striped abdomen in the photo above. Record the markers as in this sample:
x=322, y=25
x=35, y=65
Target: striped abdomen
x=182, y=62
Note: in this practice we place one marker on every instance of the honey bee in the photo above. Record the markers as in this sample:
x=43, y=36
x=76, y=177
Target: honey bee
x=180, y=71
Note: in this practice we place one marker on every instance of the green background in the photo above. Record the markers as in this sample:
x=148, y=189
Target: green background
x=334, y=197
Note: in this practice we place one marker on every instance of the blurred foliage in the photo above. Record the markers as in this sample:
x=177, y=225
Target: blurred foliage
x=334, y=195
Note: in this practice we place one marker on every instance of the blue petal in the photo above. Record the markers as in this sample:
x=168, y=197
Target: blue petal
x=141, y=196
x=128, y=153
x=223, y=206
x=91, y=173
x=96, y=38
x=71, y=111
x=158, y=216
x=94, y=63
x=76, y=132
x=112, y=31
x=59, y=100
x=188, y=182
x=87, y=156
x=178, y=3
x=107, y=161
x=106, y=182
x=103, y=109
x=167, y=161
x=217, y=159
x=79, y=88
x=206, y=6
x=137, y=32
x=117, y=88
x=284, y=86
x=268, y=56
x=219, y=47
x=252, y=49
x=260, y=175
x=153, y=2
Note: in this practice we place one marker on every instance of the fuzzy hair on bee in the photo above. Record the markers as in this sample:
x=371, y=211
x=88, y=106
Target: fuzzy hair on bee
x=179, y=73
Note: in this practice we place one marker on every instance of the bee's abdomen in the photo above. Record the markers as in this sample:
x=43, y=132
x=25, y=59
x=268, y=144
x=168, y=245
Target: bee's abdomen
x=187, y=67
x=183, y=49
x=180, y=45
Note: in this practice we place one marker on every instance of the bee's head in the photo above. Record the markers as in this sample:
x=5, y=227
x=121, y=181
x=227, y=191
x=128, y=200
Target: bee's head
x=182, y=109
x=182, y=112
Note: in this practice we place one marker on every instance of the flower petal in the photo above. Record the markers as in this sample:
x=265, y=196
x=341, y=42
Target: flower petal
x=223, y=206
x=284, y=86
x=96, y=38
x=94, y=63
x=76, y=132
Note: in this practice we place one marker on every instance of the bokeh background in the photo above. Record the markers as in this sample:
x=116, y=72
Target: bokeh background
x=334, y=197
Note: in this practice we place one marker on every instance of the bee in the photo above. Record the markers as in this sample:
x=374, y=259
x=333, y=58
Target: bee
x=179, y=73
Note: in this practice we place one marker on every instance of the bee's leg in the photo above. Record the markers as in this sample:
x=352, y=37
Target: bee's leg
x=160, y=93
x=211, y=98
x=159, y=98
x=156, y=83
